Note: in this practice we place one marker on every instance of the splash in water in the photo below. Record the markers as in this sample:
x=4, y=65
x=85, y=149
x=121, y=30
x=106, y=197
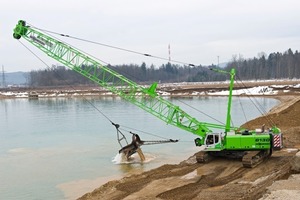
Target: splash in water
x=120, y=158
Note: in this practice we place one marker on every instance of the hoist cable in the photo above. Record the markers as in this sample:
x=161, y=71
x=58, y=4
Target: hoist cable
x=92, y=56
x=117, y=126
x=127, y=50
x=67, y=83
x=258, y=106
x=201, y=112
x=130, y=51
x=115, y=47
x=256, y=103
x=147, y=133
x=242, y=107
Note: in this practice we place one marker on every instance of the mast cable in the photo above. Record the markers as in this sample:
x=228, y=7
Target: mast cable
x=67, y=83
x=117, y=126
x=201, y=112
x=258, y=106
x=244, y=113
x=143, y=132
x=131, y=51
x=115, y=47
x=122, y=49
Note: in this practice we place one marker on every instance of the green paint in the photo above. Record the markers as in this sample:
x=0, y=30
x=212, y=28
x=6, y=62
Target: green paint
x=146, y=98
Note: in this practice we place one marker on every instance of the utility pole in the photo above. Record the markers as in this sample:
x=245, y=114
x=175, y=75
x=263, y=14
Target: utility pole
x=3, y=77
x=218, y=62
x=169, y=53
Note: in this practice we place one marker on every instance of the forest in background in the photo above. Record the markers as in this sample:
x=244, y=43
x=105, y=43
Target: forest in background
x=273, y=66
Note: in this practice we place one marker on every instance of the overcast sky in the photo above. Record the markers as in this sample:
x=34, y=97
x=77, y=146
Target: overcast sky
x=198, y=31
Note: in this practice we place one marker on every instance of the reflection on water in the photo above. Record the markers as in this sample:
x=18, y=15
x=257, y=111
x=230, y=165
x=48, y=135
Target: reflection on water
x=47, y=144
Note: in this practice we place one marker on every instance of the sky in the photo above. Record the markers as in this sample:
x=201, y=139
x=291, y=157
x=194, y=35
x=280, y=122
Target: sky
x=198, y=31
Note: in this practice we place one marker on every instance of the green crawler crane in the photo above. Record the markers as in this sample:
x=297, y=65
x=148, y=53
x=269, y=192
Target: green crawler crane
x=251, y=146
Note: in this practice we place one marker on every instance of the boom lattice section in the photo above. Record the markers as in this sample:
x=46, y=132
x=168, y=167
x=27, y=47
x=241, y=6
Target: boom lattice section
x=145, y=98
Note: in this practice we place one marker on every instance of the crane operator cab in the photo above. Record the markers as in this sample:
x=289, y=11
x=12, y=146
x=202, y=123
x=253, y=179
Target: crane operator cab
x=212, y=141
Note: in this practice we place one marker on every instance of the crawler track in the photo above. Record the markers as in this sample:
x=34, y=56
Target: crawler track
x=203, y=157
x=253, y=158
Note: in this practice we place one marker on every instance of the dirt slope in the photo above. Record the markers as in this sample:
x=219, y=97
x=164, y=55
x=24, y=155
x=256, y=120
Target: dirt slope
x=286, y=116
x=221, y=178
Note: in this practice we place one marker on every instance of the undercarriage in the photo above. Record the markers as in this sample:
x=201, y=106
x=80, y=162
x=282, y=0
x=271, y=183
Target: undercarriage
x=249, y=159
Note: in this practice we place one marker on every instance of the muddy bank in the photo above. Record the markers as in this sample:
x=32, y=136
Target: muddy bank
x=261, y=88
x=221, y=178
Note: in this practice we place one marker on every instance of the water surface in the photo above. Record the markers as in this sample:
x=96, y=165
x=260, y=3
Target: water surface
x=52, y=146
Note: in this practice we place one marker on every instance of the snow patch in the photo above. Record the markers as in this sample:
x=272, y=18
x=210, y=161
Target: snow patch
x=260, y=90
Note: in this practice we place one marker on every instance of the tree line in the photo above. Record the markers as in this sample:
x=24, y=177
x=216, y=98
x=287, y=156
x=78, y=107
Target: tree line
x=272, y=66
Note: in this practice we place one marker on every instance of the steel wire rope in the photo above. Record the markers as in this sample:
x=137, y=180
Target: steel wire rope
x=131, y=51
x=66, y=82
x=123, y=49
x=85, y=99
x=259, y=108
x=207, y=115
x=244, y=113
x=257, y=105
x=126, y=127
x=107, y=63
x=128, y=50
x=116, y=125
x=115, y=47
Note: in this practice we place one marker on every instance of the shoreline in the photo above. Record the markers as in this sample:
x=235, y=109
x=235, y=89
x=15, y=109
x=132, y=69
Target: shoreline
x=184, y=89
x=104, y=191
x=76, y=189
x=287, y=99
